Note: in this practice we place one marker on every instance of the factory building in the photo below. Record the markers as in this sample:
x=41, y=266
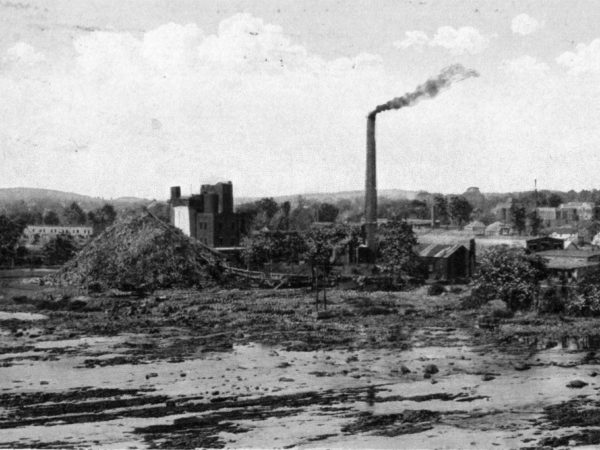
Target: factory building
x=38, y=235
x=207, y=216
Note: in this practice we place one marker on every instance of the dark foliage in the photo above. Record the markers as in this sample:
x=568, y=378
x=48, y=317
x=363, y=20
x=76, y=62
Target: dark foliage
x=59, y=249
x=510, y=275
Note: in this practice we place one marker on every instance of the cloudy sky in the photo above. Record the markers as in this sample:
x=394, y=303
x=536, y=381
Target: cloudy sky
x=115, y=98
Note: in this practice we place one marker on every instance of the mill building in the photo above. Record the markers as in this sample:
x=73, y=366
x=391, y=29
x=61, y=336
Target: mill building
x=207, y=216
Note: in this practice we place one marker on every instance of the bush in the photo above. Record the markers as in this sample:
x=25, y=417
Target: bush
x=510, y=275
x=579, y=305
x=59, y=249
x=586, y=301
x=436, y=289
x=550, y=301
x=498, y=309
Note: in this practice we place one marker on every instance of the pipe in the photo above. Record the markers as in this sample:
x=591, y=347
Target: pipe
x=371, y=189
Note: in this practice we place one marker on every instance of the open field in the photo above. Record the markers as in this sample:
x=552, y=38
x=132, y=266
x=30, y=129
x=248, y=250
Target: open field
x=259, y=368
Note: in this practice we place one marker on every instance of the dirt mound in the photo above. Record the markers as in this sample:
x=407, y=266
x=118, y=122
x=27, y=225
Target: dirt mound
x=140, y=252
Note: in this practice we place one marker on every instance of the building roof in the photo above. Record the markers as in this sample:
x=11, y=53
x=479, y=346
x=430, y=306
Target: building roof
x=569, y=253
x=496, y=226
x=570, y=205
x=475, y=224
x=544, y=238
x=569, y=264
x=418, y=221
x=437, y=250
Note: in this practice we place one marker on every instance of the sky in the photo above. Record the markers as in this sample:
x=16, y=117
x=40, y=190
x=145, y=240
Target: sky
x=130, y=97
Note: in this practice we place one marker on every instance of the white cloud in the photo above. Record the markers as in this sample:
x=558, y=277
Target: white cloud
x=585, y=58
x=457, y=41
x=524, y=24
x=23, y=53
x=414, y=38
x=133, y=114
x=525, y=65
x=224, y=102
x=461, y=40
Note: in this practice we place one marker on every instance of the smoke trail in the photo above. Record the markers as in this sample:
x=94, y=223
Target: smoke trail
x=430, y=88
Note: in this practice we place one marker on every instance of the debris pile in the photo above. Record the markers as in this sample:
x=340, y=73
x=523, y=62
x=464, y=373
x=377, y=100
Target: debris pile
x=141, y=253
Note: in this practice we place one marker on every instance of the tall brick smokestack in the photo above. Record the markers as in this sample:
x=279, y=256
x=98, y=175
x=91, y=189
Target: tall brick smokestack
x=371, y=187
x=429, y=89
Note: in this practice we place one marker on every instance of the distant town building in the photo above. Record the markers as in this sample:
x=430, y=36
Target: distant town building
x=502, y=211
x=421, y=223
x=498, y=228
x=476, y=227
x=574, y=211
x=570, y=264
x=544, y=243
x=447, y=262
x=35, y=235
x=547, y=215
x=568, y=213
x=207, y=216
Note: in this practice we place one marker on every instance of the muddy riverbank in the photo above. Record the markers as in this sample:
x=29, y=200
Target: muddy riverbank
x=185, y=369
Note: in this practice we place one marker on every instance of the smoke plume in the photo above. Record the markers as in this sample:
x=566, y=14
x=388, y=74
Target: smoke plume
x=430, y=88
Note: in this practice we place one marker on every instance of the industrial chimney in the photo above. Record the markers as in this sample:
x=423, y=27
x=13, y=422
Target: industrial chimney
x=429, y=89
x=371, y=189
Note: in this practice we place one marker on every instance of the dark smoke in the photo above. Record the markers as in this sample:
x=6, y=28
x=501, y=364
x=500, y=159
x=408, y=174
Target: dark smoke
x=430, y=88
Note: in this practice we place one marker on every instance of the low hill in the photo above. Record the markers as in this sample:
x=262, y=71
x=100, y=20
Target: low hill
x=332, y=197
x=50, y=198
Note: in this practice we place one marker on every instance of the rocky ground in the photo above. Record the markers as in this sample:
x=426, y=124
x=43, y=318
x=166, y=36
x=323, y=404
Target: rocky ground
x=261, y=368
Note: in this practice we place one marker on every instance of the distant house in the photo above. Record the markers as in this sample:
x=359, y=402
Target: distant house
x=447, y=262
x=498, y=229
x=543, y=243
x=575, y=211
x=569, y=236
x=547, y=215
x=568, y=213
x=476, y=227
x=37, y=235
x=420, y=223
x=571, y=263
x=502, y=211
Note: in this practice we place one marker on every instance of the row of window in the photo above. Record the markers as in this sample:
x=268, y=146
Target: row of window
x=61, y=231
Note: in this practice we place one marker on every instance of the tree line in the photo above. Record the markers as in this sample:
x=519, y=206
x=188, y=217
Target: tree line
x=58, y=249
x=321, y=246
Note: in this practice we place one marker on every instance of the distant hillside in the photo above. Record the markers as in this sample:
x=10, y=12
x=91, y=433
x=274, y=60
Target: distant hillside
x=332, y=197
x=52, y=197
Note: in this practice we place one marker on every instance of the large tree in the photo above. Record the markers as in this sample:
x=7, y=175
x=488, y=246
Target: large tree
x=518, y=216
x=459, y=209
x=324, y=244
x=260, y=214
x=102, y=217
x=51, y=218
x=535, y=222
x=10, y=232
x=264, y=247
x=586, y=301
x=74, y=215
x=327, y=212
x=396, y=246
x=59, y=249
x=440, y=204
x=554, y=200
x=509, y=274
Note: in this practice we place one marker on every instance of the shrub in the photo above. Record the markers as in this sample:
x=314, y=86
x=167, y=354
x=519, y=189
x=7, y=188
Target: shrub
x=586, y=301
x=550, y=301
x=510, y=275
x=436, y=289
